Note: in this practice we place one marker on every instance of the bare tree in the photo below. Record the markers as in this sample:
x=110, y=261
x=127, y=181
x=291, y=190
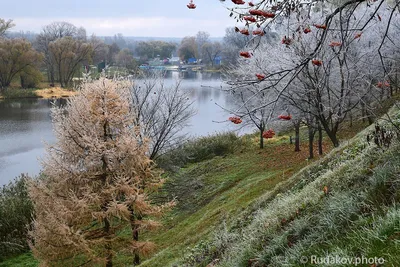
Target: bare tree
x=202, y=38
x=51, y=33
x=211, y=51
x=5, y=25
x=162, y=111
x=67, y=55
x=96, y=179
x=320, y=18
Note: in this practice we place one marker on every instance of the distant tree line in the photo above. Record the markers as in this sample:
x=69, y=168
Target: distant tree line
x=62, y=51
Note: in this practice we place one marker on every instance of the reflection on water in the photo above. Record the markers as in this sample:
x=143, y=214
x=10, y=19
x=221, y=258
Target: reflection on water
x=26, y=123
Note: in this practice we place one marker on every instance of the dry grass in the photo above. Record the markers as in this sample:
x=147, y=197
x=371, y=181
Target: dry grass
x=56, y=92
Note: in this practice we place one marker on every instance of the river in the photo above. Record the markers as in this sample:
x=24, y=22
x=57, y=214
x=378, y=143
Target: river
x=25, y=124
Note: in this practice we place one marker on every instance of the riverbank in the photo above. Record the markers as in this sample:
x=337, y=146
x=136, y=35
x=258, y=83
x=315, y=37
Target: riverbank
x=47, y=93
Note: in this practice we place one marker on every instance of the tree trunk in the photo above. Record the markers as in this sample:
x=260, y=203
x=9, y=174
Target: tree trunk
x=135, y=236
x=297, y=137
x=363, y=112
x=261, y=138
x=136, y=258
x=351, y=119
x=22, y=81
x=311, y=134
x=320, y=149
x=108, y=245
x=333, y=138
x=106, y=228
x=369, y=117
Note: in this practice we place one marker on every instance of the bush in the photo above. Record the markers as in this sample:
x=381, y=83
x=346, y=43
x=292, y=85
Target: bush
x=15, y=216
x=200, y=149
x=31, y=78
x=19, y=93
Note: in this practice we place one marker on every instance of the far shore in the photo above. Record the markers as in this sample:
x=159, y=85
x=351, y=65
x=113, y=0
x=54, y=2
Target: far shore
x=47, y=93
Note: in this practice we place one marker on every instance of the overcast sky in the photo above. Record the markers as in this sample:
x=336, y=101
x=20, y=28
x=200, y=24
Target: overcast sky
x=157, y=18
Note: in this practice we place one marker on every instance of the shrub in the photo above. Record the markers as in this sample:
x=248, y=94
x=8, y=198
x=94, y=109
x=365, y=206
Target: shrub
x=200, y=149
x=15, y=216
x=31, y=78
x=19, y=93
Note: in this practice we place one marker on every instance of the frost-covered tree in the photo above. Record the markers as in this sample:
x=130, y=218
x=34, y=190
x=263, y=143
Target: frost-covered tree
x=97, y=177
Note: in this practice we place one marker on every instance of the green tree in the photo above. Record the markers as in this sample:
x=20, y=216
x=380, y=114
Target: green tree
x=16, y=56
x=125, y=59
x=147, y=50
x=188, y=48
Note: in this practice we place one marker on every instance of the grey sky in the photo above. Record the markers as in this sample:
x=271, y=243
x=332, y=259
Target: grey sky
x=161, y=18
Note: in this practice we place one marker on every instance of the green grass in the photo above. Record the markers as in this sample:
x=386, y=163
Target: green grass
x=217, y=191
x=24, y=260
x=19, y=93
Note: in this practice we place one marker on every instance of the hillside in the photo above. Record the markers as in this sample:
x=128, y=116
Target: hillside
x=267, y=208
x=242, y=206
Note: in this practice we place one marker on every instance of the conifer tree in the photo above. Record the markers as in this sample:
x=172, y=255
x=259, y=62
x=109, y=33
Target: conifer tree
x=97, y=177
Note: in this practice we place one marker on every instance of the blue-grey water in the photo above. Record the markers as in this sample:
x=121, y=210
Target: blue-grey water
x=25, y=124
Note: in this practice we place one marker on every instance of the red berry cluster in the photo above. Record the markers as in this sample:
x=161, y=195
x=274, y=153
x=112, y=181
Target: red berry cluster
x=239, y=2
x=260, y=76
x=383, y=84
x=316, y=62
x=245, y=54
x=269, y=134
x=262, y=13
x=285, y=117
x=235, y=120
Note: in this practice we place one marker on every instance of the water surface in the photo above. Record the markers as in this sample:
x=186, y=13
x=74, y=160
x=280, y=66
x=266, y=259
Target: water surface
x=25, y=124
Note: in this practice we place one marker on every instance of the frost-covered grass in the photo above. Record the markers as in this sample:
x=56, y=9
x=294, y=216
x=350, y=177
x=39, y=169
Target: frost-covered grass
x=357, y=217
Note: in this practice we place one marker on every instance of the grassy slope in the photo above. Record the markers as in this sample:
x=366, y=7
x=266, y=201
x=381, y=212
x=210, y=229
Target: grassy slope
x=233, y=205
x=251, y=196
x=357, y=217
x=225, y=187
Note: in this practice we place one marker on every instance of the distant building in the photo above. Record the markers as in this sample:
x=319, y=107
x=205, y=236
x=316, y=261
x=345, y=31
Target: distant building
x=192, y=60
x=174, y=60
x=217, y=60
